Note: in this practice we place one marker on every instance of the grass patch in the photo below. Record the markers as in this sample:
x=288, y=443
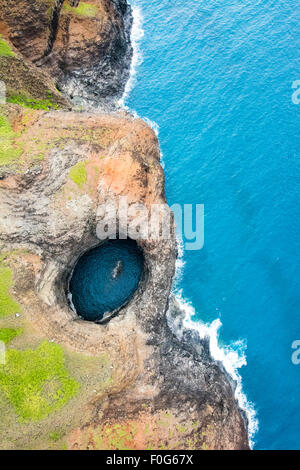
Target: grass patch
x=84, y=9
x=8, y=306
x=36, y=382
x=78, y=174
x=8, y=151
x=8, y=334
x=56, y=435
x=5, y=50
x=32, y=103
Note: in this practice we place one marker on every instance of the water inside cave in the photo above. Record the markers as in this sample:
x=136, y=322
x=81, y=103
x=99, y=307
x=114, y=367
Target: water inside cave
x=105, y=278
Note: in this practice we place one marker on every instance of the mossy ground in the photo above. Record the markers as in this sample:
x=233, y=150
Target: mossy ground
x=33, y=103
x=51, y=378
x=18, y=151
x=56, y=435
x=9, y=151
x=8, y=305
x=84, y=9
x=36, y=382
x=8, y=334
x=78, y=174
x=5, y=49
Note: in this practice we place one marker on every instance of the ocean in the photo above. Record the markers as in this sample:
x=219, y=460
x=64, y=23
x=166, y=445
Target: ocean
x=216, y=78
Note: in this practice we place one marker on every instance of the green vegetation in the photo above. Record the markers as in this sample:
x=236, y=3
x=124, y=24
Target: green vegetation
x=181, y=429
x=56, y=435
x=84, y=9
x=32, y=103
x=8, y=334
x=9, y=152
x=36, y=382
x=116, y=436
x=78, y=174
x=7, y=305
x=5, y=50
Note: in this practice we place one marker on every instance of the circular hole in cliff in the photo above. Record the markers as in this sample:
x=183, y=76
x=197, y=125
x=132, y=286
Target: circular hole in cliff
x=105, y=278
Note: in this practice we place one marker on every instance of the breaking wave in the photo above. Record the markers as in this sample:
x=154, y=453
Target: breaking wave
x=232, y=357
x=137, y=33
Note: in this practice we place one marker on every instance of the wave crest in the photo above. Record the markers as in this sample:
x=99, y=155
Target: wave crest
x=232, y=356
x=137, y=34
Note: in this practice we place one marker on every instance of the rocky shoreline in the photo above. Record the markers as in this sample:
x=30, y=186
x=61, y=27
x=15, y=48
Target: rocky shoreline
x=140, y=386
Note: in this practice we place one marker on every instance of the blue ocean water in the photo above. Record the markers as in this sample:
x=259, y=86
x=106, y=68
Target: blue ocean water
x=105, y=278
x=216, y=77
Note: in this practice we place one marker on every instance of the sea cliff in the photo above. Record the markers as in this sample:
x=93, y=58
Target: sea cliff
x=67, y=148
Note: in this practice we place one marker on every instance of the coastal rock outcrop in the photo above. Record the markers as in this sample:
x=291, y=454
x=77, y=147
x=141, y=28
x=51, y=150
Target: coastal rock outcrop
x=48, y=218
x=67, y=383
x=90, y=53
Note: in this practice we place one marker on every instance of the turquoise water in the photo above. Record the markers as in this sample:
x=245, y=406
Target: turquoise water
x=105, y=278
x=216, y=77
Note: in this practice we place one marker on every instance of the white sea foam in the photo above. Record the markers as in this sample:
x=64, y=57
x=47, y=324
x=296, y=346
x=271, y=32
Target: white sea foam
x=152, y=124
x=180, y=263
x=155, y=128
x=232, y=357
x=137, y=33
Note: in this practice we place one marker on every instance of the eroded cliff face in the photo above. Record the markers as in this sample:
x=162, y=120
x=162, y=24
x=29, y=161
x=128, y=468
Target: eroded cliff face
x=85, y=48
x=68, y=383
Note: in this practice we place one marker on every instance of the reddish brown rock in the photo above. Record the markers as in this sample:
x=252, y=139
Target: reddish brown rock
x=91, y=52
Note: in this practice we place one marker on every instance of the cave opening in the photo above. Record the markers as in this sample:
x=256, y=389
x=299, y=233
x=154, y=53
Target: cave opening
x=105, y=279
